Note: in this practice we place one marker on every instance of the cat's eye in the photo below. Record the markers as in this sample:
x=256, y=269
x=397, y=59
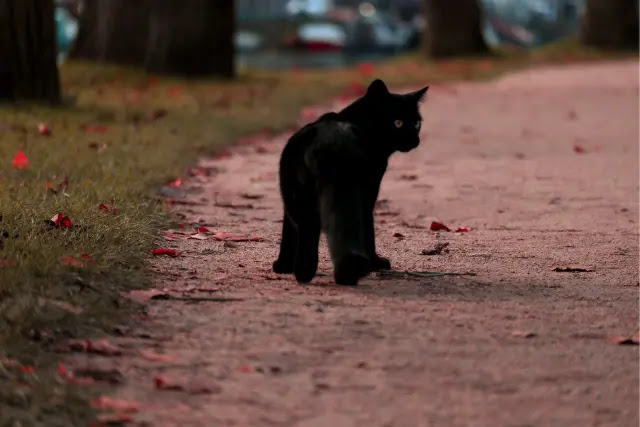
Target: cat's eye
x=418, y=124
x=398, y=123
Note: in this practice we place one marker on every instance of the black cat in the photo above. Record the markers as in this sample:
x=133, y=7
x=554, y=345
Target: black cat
x=330, y=173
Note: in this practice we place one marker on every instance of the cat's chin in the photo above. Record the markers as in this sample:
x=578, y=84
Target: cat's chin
x=407, y=148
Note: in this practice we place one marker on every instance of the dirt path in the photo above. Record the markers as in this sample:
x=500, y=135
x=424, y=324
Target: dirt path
x=517, y=345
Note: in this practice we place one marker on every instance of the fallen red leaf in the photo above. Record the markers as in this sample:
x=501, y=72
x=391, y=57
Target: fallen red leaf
x=60, y=221
x=86, y=257
x=107, y=208
x=164, y=383
x=104, y=347
x=197, y=236
x=463, y=230
x=437, y=226
x=388, y=213
x=228, y=237
x=202, y=230
x=156, y=357
x=632, y=340
x=64, y=373
x=577, y=148
x=409, y=177
x=524, y=334
x=175, y=183
x=167, y=252
x=106, y=402
x=27, y=369
x=43, y=129
x=101, y=346
x=19, y=161
x=244, y=369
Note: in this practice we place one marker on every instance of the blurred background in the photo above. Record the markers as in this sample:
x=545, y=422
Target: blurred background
x=328, y=33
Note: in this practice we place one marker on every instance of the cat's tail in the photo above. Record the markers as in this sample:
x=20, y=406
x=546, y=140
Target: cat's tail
x=341, y=215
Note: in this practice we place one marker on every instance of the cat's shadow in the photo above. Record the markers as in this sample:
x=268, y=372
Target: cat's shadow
x=461, y=288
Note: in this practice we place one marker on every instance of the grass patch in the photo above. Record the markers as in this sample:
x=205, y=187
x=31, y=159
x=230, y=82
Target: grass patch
x=120, y=136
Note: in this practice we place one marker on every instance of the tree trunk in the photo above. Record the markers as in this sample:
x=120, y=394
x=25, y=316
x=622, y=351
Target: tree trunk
x=610, y=24
x=28, y=52
x=454, y=28
x=189, y=37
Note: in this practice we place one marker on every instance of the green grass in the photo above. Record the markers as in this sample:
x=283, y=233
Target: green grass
x=125, y=167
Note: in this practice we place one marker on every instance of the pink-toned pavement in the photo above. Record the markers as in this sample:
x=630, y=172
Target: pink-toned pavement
x=541, y=165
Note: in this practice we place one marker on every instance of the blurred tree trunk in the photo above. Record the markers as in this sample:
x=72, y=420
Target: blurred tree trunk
x=28, y=65
x=454, y=28
x=610, y=24
x=189, y=37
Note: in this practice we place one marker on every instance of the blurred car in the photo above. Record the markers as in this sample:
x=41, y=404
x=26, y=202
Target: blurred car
x=369, y=29
x=319, y=36
x=530, y=23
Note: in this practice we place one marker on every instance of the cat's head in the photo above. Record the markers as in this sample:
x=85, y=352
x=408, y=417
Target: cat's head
x=397, y=116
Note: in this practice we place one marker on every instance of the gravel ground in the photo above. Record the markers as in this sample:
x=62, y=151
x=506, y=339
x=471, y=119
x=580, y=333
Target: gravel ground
x=541, y=165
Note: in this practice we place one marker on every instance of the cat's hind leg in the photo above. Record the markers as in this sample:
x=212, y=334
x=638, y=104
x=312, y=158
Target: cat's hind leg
x=342, y=220
x=306, y=259
x=288, y=243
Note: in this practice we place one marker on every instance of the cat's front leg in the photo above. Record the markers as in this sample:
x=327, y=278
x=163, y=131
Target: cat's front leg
x=377, y=262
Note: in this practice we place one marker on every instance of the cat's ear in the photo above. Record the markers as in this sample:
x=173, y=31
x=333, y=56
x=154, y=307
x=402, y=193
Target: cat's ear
x=377, y=88
x=419, y=95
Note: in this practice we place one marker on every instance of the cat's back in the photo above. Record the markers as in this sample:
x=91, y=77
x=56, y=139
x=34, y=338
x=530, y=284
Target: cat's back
x=327, y=134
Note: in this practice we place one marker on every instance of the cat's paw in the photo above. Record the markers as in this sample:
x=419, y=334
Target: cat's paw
x=380, y=263
x=350, y=269
x=282, y=267
x=305, y=272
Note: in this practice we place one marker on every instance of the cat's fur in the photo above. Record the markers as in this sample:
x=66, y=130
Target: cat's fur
x=330, y=173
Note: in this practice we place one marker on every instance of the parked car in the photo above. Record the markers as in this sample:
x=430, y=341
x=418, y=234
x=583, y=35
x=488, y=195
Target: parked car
x=320, y=36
